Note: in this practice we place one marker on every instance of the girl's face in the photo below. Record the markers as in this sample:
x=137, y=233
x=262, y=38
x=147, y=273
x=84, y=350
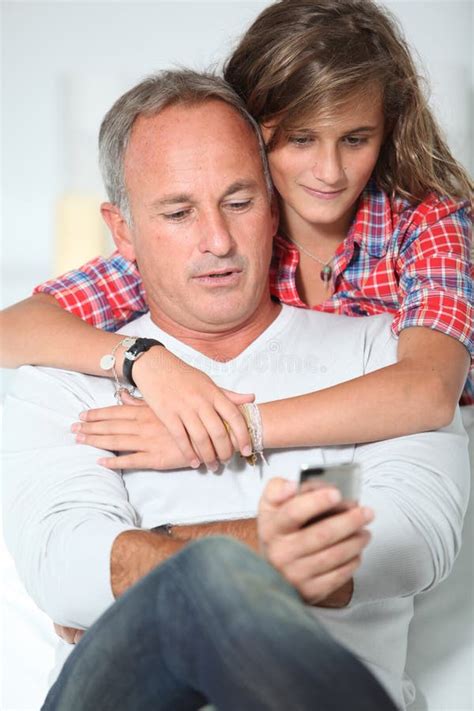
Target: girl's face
x=320, y=170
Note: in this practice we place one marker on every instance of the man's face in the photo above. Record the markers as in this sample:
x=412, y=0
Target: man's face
x=202, y=220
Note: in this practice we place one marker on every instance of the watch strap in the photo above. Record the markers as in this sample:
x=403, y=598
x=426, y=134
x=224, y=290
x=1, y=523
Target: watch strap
x=138, y=348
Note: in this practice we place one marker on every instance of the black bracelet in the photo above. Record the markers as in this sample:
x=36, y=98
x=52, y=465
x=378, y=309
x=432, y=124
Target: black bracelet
x=141, y=346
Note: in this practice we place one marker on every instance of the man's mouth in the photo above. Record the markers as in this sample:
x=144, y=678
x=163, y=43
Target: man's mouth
x=219, y=273
x=229, y=276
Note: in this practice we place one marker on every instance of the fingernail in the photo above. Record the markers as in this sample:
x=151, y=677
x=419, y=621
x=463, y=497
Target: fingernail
x=247, y=451
x=195, y=463
x=80, y=438
x=76, y=427
x=83, y=415
x=334, y=496
x=368, y=514
x=289, y=487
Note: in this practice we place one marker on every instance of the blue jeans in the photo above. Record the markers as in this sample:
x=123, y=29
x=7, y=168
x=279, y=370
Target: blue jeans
x=213, y=624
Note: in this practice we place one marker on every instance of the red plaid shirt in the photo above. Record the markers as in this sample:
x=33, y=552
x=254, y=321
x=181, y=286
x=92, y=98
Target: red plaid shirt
x=413, y=262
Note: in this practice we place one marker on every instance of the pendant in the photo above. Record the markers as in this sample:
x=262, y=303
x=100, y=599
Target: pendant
x=326, y=274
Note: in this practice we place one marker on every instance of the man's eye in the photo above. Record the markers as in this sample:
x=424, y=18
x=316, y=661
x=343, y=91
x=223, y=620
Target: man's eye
x=355, y=141
x=239, y=205
x=176, y=216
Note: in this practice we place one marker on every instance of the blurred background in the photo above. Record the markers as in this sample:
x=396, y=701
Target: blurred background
x=65, y=62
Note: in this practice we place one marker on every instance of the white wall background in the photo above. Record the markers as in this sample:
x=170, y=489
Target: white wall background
x=105, y=47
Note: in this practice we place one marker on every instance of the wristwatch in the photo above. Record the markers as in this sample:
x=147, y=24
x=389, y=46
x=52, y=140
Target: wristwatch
x=139, y=347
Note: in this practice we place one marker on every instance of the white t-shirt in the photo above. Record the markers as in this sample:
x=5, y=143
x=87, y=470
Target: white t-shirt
x=63, y=511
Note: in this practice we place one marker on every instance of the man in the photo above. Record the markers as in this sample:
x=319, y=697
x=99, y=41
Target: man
x=210, y=620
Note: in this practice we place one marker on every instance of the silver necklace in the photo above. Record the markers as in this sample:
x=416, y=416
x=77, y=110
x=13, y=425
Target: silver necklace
x=326, y=272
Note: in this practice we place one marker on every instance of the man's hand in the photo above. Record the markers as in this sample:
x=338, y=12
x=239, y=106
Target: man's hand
x=68, y=634
x=192, y=434
x=133, y=428
x=318, y=560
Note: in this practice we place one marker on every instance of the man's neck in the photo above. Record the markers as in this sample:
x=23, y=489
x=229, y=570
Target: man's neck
x=222, y=345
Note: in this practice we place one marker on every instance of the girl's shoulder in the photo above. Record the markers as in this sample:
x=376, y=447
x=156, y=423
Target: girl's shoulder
x=433, y=209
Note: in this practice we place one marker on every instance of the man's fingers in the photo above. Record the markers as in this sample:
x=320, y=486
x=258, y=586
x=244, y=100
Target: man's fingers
x=138, y=460
x=335, y=528
x=105, y=427
x=326, y=560
x=119, y=412
x=68, y=634
x=122, y=462
x=317, y=589
x=276, y=492
x=111, y=443
x=129, y=399
x=300, y=509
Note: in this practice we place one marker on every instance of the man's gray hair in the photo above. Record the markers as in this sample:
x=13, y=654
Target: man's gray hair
x=148, y=98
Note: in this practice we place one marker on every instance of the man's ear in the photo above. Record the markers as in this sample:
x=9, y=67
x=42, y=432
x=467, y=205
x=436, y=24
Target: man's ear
x=119, y=229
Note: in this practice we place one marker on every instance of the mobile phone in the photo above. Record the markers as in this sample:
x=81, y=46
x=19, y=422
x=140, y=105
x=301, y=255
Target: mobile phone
x=345, y=477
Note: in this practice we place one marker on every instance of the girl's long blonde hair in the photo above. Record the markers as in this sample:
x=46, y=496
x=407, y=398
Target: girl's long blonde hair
x=302, y=58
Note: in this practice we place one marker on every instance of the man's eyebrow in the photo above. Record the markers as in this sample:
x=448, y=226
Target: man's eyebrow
x=180, y=198
x=174, y=199
x=240, y=185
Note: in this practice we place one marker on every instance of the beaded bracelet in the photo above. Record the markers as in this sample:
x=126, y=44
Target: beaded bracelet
x=253, y=420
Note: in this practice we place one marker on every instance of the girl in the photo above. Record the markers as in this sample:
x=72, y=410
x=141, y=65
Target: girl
x=374, y=218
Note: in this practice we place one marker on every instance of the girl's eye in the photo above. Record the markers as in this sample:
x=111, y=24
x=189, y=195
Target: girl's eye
x=177, y=216
x=300, y=140
x=355, y=141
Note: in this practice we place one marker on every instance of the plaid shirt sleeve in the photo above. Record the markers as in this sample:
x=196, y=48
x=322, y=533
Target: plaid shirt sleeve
x=434, y=265
x=107, y=293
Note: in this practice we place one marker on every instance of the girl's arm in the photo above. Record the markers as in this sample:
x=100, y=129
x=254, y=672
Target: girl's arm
x=435, y=327
x=418, y=393
x=37, y=331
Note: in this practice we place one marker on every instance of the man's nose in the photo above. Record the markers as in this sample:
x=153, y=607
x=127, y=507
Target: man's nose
x=215, y=236
x=327, y=166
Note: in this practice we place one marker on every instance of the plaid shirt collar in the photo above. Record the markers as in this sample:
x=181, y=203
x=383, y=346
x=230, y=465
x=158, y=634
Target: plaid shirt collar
x=372, y=226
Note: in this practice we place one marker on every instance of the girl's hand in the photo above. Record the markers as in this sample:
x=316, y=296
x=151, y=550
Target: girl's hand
x=132, y=427
x=193, y=408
